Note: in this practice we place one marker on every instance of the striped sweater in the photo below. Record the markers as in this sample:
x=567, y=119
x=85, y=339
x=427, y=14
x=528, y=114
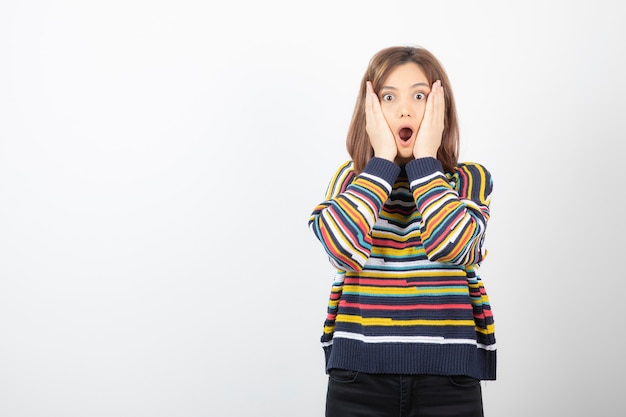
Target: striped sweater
x=406, y=243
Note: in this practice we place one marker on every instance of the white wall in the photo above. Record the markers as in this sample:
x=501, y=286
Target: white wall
x=159, y=161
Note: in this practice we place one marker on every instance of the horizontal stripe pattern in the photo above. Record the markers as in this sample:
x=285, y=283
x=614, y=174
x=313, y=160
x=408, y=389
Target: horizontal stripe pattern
x=406, y=245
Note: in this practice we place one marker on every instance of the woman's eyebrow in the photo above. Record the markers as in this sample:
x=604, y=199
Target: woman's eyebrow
x=420, y=84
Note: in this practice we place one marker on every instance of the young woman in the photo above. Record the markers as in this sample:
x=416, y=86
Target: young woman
x=409, y=330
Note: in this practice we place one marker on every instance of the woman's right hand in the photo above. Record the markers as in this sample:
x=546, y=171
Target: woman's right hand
x=380, y=135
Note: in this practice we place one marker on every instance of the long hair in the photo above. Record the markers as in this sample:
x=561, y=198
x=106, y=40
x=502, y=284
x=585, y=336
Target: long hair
x=380, y=65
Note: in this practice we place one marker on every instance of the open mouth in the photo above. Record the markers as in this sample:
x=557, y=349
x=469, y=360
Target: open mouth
x=405, y=133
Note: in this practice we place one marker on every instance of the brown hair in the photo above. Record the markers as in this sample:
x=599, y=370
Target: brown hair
x=380, y=65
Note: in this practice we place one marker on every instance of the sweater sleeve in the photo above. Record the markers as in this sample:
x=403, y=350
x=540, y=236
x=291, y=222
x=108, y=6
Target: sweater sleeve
x=454, y=209
x=344, y=220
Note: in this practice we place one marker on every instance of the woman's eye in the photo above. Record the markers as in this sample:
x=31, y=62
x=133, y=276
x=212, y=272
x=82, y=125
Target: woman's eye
x=387, y=97
x=420, y=96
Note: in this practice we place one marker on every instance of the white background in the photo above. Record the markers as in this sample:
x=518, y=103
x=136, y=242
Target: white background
x=159, y=161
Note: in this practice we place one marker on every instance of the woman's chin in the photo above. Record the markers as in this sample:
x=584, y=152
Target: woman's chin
x=402, y=160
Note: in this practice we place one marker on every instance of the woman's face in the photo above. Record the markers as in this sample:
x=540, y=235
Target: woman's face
x=403, y=102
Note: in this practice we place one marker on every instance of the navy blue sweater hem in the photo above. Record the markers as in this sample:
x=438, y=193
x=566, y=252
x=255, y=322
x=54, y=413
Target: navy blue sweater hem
x=411, y=359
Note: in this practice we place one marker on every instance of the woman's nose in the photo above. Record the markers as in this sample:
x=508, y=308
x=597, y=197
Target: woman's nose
x=405, y=109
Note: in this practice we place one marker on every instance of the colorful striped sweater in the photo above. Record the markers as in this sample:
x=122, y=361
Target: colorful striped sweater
x=406, y=244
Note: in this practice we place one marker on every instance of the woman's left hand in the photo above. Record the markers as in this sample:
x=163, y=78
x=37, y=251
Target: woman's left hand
x=430, y=132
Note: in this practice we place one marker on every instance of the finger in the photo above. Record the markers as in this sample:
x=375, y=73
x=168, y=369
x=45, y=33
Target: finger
x=437, y=102
x=443, y=97
x=372, y=97
x=369, y=102
x=431, y=103
x=374, y=106
x=440, y=103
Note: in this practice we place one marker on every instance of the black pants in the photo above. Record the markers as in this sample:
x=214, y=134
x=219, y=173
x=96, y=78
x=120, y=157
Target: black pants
x=355, y=394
